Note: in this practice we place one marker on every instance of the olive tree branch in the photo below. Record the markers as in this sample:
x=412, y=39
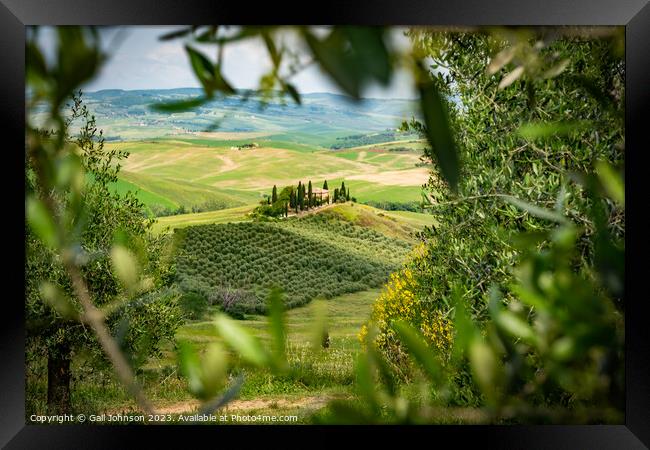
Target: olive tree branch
x=91, y=314
x=94, y=317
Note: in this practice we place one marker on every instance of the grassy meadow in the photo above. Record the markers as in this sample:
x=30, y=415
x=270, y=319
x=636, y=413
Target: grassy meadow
x=325, y=374
x=229, y=215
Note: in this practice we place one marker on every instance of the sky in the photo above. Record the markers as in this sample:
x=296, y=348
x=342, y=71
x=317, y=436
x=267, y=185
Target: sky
x=139, y=60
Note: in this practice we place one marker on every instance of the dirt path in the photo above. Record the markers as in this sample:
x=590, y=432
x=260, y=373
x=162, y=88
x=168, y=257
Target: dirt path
x=226, y=166
x=307, y=403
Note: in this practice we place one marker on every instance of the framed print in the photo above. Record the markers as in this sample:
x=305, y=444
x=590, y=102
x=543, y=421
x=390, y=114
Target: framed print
x=385, y=218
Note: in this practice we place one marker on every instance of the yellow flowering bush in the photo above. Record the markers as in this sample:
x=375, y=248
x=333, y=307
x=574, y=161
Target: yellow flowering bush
x=400, y=300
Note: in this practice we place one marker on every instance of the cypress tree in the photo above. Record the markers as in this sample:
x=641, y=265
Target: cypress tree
x=336, y=194
x=301, y=196
x=310, y=200
x=325, y=185
x=286, y=209
x=298, y=195
x=274, y=194
x=347, y=195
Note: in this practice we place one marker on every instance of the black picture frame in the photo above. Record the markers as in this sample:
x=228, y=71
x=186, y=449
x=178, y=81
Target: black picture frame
x=633, y=14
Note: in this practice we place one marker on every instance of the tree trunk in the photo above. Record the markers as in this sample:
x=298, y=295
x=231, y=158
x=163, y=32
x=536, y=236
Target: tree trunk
x=58, y=380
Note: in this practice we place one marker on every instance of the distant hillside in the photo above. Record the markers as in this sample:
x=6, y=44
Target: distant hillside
x=320, y=119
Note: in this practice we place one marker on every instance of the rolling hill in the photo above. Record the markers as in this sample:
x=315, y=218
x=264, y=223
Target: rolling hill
x=208, y=174
x=344, y=249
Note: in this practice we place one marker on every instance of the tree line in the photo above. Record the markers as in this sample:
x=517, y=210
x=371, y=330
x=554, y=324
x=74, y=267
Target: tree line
x=300, y=198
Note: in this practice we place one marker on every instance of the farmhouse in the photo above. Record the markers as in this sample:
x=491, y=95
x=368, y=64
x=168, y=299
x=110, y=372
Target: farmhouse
x=321, y=194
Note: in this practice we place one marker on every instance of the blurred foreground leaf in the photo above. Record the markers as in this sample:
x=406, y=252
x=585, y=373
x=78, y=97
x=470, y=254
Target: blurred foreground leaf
x=125, y=266
x=438, y=131
x=534, y=210
x=239, y=339
x=179, y=106
x=278, y=329
x=41, y=222
x=419, y=349
x=611, y=181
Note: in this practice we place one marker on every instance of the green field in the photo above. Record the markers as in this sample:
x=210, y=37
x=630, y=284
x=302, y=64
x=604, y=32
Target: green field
x=122, y=186
x=412, y=144
x=344, y=316
x=199, y=172
x=401, y=227
x=414, y=219
x=336, y=259
x=166, y=224
x=319, y=375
